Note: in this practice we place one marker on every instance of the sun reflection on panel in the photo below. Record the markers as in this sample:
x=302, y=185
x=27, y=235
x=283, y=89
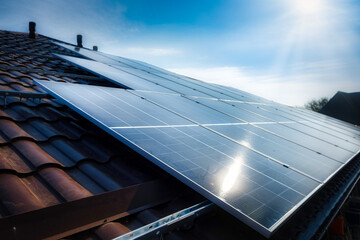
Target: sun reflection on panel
x=230, y=177
x=245, y=143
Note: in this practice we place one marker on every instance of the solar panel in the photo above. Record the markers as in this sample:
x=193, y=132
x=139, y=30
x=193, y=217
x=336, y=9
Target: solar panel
x=345, y=132
x=260, y=169
x=158, y=76
x=115, y=75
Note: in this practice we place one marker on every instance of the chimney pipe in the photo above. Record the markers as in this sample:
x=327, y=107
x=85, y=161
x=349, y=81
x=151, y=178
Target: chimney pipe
x=79, y=41
x=95, y=48
x=32, y=26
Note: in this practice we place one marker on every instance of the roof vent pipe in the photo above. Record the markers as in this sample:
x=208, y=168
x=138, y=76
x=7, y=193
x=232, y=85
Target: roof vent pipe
x=95, y=48
x=79, y=40
x=32, y=26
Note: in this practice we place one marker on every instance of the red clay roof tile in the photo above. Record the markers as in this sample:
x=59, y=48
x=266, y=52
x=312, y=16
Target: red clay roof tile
x=111, y=230
x=11, y=130
x=10, y=160
x=15, y=195
x=33, y=153
x=67, y=187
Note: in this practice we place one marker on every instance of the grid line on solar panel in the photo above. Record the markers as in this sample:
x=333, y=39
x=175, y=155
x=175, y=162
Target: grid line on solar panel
x=313, y=129
x=351, y=135
x=94, y=55
x=256, y=125
x=176, y=86
x=187, y=84
x=210, y=91
x=115, y=75
x=126, y=111
x=306, y=114
x=261, y=113
x=235, y=95
x=194, y=125
x=200, y=97
x=301, y=159
x=321, y=125
x=275, y=187
x=332, y=121
x=198, y=83
x=127, y=79
x=224, y=136
x=333, y=159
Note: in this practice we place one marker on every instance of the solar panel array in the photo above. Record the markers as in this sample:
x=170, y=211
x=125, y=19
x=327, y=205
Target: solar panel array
x=256, y=159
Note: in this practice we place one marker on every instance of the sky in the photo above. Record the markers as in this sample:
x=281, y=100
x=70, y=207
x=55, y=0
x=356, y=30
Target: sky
x=289, y=51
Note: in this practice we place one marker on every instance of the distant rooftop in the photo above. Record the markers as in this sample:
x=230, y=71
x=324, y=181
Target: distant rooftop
x=344, y=106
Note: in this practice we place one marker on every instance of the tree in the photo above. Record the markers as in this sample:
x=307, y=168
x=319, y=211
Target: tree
x=317, y=105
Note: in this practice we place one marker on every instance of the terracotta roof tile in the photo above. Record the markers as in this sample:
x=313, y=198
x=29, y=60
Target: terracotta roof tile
x=33, y=153
x=10, y=160
x=48, y=153
x=63, y=184
x=11, y=130
x=2, y=140
x=40, y=188
x=111, y=230
x=22, y=112
x=16, y=196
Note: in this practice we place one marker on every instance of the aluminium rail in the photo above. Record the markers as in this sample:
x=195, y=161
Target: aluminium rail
x=22, y=94
x=160, y=226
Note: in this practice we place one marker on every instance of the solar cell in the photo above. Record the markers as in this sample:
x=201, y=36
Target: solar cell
x=259, y=170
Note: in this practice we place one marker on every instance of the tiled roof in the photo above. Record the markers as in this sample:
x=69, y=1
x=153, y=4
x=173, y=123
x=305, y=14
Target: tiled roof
x=50, y=155
x=52, y=159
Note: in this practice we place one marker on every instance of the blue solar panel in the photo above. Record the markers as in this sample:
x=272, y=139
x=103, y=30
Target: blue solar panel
x=257, y=159
x=226, y=172
x=323, y=147
x=347, y=133
x=306, y=127
x=329, y=122
x=116, y=75
x=258, y=169
x=160, y=77
x=302, y=159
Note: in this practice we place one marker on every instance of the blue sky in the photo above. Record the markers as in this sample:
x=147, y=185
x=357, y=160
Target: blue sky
x=290, y=51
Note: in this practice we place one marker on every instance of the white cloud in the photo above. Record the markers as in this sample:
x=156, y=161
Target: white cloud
x=152, y=51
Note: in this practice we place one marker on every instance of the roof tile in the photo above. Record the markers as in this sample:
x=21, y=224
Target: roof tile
x=10, y=160
x=62, y=183
x=11, y=130
x=33, y=153
x=15, y=195
x=111, y=230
